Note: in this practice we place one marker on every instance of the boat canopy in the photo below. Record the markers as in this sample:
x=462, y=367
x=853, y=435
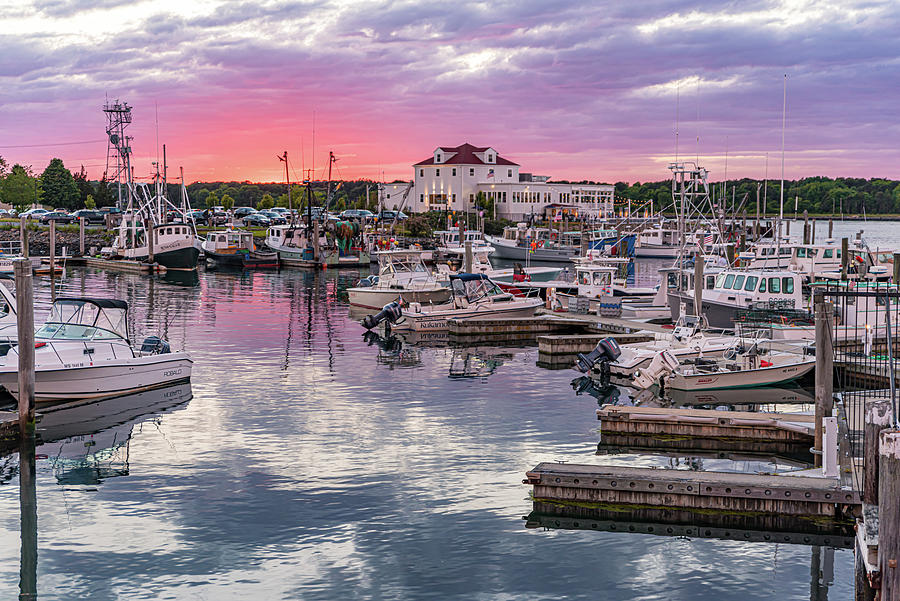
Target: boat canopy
x=86, y=318
x=474, y=286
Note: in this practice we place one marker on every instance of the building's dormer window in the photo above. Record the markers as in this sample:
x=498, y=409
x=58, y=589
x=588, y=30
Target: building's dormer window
x=490, y=158
x=438, y=159
x=454, y=172
x=437, y=172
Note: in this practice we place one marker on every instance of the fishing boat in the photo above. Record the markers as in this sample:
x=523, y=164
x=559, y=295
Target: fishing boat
x=401, y=274
x=521, y=243
x=658, y=242
x=236, y=248
x=737, y=290
x=473, y=296
x=454, y=262
x=83, y=352
x=747, y=365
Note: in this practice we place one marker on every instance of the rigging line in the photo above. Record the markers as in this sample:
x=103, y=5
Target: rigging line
x=52, y=144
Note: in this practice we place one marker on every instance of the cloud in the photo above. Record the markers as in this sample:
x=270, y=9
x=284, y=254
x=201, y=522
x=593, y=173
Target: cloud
x=391, y=80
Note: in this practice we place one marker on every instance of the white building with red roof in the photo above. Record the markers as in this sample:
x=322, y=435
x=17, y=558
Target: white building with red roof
x=452, y=177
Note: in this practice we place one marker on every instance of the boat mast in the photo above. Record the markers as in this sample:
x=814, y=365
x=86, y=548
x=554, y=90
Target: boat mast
x=781, y=192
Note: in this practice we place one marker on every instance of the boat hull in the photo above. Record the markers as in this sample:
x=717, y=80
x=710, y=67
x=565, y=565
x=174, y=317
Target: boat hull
x=181, y=257
x=376, y=298
x=765, y=376
x=503, y=250
x=437, y=321
x=109, y=379
x=718, y=315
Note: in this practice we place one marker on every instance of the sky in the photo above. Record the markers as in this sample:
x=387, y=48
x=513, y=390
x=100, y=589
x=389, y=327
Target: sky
x=575, y=90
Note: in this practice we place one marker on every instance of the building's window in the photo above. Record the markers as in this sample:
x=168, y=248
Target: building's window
x=421, y=198
x=438, y=158
x=437, y=172
x=471, y=198
x=453, y=197
x=454, y=172
x=509, y=173
x=421, y=173
x=490, y=158
x=471, y=172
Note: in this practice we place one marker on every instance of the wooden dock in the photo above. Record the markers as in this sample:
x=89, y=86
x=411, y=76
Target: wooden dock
x=572, y=344
x=752, y=494
x=514, y=328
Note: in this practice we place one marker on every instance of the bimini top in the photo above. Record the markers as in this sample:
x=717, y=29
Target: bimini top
x=103, y=303
x=86, y=318
x=468, y=277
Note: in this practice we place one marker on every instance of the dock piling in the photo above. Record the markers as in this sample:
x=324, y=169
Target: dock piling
x=844, y=258
x=889, y=514
x=878, y=416
x=824, y=368
x=468, y=266
x=23, y=237
x=896, y=268
x=81, y=236
x=53, y=260
x=25, y=325
x=830, y=228
x=698, y=283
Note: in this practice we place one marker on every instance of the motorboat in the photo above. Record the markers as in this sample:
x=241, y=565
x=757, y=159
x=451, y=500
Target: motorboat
x=473, y=296
x=401, y=274
x=658, y=242
x=520, y=243
x=297, y=246
x=481, y=263
x=737, y=290
x=83, y=352
x=236, y=248
x=8, y=320
x=688, y=340
x=749, y=364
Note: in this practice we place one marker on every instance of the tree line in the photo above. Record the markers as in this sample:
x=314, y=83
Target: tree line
x=56, y=186
x=818, y=195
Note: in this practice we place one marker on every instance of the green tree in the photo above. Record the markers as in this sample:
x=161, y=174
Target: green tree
x=106, y=194
x=211, y=200
x=85, y=187
x=89, y=202
x=267, y=202
x=227, y=202
x=20, y=188
x=59, y=186
x=4, y=168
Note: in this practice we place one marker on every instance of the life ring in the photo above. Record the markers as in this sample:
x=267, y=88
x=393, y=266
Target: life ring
x=540, y=244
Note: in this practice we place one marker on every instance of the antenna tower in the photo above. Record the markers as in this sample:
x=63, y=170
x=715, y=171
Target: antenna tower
x=118, y=147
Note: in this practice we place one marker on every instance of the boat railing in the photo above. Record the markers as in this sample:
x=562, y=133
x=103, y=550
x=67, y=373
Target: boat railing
x=10, y=247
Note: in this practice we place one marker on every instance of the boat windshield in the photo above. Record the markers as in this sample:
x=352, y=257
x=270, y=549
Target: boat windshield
x=77, y=319
x=474, y=290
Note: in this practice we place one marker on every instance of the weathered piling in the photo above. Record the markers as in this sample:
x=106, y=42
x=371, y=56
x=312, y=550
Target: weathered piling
x=889, y=514
x=53, y=260
x=830, y=228
x=315, y=240
x=468, y=256
x=844, y=258
x=878, y=416
x=805, y=227
x=25, y=325
x=28, y=519
x=896, y=268
x=81, y=236
x=698, y=283
x=23, y=236
x=151, y=231
x=824, y=368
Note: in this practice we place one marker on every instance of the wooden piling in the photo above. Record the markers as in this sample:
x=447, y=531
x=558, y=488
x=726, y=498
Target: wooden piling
x=151, y=231
x=896, y=268
x=830, y=228
x=806, y=227
x=698, y=283
x=25, y=348
x=844, y=257
x=81, y=236
x=824, y=368
x=879, y=415
x=28, y=519
x=468, y=257
x=889, y=514
x=812, y=232
x=23, y=237
x=53, y=260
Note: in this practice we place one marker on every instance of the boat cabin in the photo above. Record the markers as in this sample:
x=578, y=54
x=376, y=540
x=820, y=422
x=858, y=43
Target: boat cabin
x=810, y=259
x=450, y=238
x=594, y=281
x=228, y=242
x=743, y=288
x=85, y=319
x=285, y=235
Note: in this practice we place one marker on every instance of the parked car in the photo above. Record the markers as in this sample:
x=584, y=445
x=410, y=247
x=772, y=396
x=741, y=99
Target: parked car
x=283, y=210
x=196, y=217
x=34, y=213
x=360, y=215
x=243, y=211
x=390, y=216
x=58, y=216
x=257, y=219
x=89, y=216
x=111, y=210
x=275, y=218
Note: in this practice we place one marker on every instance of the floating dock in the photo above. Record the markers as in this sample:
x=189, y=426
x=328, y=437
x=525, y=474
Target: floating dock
x=121, y=265
x=755, y=494
x=572, y=344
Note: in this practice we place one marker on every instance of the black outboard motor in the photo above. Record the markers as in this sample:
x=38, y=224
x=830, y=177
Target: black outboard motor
x=606, y=351
x=154, y=345
x=390, y=313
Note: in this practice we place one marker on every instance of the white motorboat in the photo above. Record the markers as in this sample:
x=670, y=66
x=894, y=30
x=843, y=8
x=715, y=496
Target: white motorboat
x=481, y=263
x=748, y=365
x=83, y=352
x=401, y=273
x=473, y=296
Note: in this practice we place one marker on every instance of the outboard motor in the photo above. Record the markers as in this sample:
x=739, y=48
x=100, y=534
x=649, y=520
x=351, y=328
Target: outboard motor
x=390, y=313
x=663, y=363
x=154, y=345
x=606, y=350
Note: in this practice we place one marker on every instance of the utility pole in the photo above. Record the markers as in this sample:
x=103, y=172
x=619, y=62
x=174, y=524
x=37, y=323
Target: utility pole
x=287, y=178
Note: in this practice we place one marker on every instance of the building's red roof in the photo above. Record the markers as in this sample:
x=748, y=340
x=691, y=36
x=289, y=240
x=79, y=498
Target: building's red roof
x=465, y=155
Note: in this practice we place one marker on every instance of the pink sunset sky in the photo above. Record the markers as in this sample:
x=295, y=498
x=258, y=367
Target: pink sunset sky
x=577, y=90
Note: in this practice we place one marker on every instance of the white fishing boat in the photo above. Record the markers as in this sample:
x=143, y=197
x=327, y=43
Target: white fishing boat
x=750, y=364
x=401, y=274
x=83, y=352
x=522, y=243
x=481, y=263
x=658, y=242
x=473, y=296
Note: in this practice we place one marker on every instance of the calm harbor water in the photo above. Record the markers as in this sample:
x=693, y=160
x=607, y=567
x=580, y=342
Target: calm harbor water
x=305, y=461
